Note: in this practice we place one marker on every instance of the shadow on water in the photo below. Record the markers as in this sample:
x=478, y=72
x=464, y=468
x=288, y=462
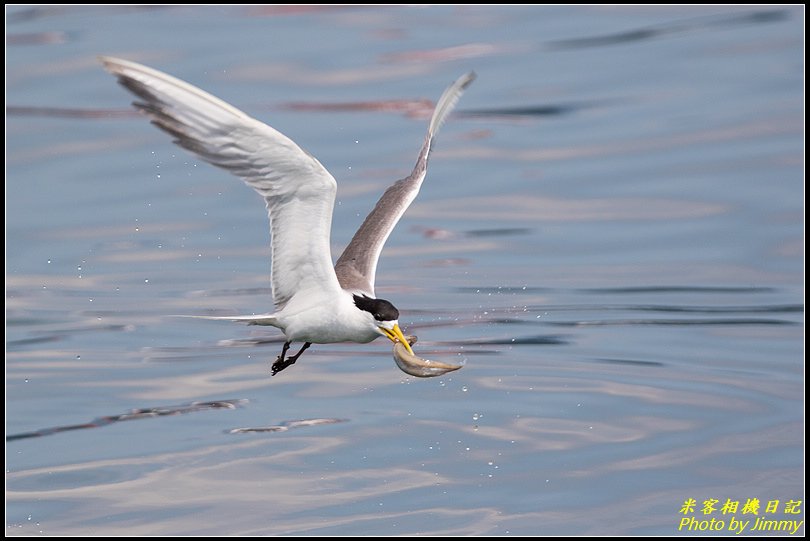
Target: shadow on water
x=698, y=322
x=139, y=413
x=678, y=289
x=182, y=409
x=68, y=112
x=419, y=108
x=672, y=28
x=408, y=108
x=631, y=362
x=286, y=425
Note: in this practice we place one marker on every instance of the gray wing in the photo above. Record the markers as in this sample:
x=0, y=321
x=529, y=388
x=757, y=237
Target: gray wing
x=298, y=191
x=357, y=267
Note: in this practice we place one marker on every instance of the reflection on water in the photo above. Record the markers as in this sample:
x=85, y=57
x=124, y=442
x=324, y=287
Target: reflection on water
x=140, y=413
x=704, y=23
x=610, y=239
x=66, y=112
x=286, y=425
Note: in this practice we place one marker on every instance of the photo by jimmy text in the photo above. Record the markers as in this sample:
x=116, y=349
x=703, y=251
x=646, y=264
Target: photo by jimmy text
x=749, y=517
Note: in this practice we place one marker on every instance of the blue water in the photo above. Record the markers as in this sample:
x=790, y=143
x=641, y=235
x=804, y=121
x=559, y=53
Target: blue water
x=610, y=237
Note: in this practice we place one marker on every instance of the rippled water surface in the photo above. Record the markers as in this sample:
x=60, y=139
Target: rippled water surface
x=610, y=238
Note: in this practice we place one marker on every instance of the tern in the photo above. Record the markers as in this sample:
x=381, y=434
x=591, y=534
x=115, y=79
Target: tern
x=315, y=302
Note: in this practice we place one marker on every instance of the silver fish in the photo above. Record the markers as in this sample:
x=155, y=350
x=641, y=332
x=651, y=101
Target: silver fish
x=416, y=366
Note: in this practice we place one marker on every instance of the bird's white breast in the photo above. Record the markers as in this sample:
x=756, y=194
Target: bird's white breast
x=322, y=318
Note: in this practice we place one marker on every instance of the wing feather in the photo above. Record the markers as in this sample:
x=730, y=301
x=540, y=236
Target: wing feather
x=298, y=191
x=357, y=267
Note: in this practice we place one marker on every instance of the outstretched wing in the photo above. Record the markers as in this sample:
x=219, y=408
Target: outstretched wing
x=299, y=192
x=357, y=266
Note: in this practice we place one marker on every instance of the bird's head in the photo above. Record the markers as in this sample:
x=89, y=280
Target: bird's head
x=384, y=316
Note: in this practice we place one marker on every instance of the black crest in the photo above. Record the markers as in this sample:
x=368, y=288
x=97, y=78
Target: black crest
x=382, y=310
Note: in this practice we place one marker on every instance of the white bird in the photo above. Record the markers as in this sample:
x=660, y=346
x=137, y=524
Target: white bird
x=314, y=301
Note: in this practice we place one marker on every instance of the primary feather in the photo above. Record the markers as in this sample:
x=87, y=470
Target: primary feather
x=298, y=191
x=357, y=267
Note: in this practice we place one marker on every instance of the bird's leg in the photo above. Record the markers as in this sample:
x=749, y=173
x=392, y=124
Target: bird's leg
x=282, y=363
x=294, y=358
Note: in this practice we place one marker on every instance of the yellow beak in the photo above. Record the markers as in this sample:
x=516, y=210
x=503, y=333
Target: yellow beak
x=395, y=335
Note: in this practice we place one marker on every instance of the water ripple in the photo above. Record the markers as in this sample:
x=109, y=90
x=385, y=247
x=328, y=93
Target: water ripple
x=139, y=413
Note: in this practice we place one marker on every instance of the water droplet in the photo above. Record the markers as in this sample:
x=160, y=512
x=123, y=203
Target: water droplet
x=476, y=416
x=78, y=357
x=49, y=262
x=464, y=389
x=146, y=281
